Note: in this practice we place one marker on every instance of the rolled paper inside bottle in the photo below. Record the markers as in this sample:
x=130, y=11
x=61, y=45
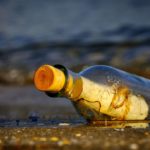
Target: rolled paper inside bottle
x=49, y=78
x=118, y=103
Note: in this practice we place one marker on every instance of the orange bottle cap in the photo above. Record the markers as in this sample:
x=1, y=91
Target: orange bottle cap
x=49, y=78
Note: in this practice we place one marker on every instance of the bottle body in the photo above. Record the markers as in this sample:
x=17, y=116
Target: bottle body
x=111, y=94
x=106, y=93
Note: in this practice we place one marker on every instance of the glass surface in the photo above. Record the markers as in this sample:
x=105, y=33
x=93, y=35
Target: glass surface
x=123, y=86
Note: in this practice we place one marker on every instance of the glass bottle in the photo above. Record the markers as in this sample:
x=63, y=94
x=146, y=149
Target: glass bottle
x=98, y=92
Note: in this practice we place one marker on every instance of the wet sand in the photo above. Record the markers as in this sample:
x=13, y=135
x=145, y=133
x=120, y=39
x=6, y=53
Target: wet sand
x=31, y=120
x=74, y=137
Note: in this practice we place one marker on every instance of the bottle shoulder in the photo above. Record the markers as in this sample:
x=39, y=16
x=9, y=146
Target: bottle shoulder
x=102, y=70
x=99, y=67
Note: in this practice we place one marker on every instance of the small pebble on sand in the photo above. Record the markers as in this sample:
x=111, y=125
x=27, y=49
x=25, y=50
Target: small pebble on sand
x=121, y=129
x=133, y=146
x=54, y=139
x=78, y=134
x=64, y=124
x=64, y=142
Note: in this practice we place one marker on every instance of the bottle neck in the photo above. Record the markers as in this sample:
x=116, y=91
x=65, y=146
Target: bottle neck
x=72, y=87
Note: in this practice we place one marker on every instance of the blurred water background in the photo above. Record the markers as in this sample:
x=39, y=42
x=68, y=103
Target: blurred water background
x=74, y=33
